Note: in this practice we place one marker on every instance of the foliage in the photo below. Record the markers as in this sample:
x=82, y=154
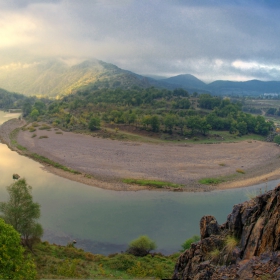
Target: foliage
x=277, y=139
x=187, y=244
x=94, y=123
x=13, y=263
x=211, y=181
x=141, y=246
x=158, y=110
x=21, y=212
x=54, y=261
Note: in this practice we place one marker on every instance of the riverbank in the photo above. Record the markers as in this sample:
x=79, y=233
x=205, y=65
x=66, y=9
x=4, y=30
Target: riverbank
x=104, y=163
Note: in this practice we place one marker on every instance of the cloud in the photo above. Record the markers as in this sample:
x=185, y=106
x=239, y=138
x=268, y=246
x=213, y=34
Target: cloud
x=206, y=37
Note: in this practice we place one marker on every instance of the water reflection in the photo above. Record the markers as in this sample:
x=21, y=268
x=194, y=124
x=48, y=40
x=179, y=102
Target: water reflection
x=105, y=221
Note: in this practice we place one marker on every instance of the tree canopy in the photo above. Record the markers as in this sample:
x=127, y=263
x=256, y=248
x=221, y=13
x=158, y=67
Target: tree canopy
x=21, y=212
x=13, y=263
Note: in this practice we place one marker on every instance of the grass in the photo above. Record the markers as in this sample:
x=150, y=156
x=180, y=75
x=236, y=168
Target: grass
x=151, y=183
x=211, y=181
x=32, y=129
x=53, y=262
x=230, y=243
x=33, y=135
x=45, y=127
x=241, y=171
x=52, y=163
x=43, y=136
x=214, y=255
x=59, y=132
x=251, y=194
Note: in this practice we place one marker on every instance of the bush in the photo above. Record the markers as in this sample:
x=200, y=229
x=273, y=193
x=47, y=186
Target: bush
x=94, y=123
x=187, y=244
x=141, y=246
x=277, y=139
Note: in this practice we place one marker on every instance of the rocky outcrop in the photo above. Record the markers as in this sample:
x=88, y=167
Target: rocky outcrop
x=247, y=246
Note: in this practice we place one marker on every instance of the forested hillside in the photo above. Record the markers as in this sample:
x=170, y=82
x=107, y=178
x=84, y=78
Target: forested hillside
x=9, y=100
x=159, y=111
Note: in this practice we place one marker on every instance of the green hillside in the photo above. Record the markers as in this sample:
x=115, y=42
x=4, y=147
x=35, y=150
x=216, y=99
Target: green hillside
x=53, y=78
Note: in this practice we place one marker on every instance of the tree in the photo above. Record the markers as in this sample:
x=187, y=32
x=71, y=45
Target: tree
x=276, y=139
x=141, y=246
x=187, y=244
x=13, y=264
x=34, y=114
x=154, y=122
x=94, y=123
x=22, y=213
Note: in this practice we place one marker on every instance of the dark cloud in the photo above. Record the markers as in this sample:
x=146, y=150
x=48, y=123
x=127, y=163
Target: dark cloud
x=202, y=37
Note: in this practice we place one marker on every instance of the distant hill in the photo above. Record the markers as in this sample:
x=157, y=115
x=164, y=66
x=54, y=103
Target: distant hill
x=56, y=78
x=186, y=81
x=253, y=87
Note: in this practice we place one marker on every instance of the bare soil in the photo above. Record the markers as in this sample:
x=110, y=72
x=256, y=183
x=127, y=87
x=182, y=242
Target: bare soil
x=109, y=161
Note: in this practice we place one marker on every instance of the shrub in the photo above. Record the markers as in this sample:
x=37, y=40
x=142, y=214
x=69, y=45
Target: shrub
x=121, y=262
x=141, y=246
x=230, y=243
x=241, y=171
x=276, y=139
x=214, y=255
x=187, y=244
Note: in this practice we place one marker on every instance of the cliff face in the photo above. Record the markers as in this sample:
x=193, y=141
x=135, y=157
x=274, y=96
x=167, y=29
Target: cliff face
x=247, y=246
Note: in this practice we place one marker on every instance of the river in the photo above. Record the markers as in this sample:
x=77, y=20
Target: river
x=104, y=221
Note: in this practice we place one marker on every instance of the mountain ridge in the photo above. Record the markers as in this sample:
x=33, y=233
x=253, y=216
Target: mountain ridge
x=54, y=78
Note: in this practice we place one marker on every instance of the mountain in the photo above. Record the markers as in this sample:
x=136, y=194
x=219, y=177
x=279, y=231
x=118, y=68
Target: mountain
x=252, y=87
x=55, y=78
x=246, y=246
x=186, y=81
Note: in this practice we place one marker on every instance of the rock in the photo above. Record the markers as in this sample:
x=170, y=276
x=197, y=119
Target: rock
x=208, y=226
x=16, y=176
x=255, y=224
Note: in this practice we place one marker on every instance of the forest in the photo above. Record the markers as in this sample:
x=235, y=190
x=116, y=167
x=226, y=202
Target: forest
x=156, y=110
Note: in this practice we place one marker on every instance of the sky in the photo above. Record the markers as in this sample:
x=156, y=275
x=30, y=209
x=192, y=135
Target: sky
x=213, y=40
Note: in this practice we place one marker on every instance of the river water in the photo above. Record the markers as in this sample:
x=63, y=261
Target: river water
x=104, y=221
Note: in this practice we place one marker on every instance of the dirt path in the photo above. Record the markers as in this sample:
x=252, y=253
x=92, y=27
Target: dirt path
x=109, y=161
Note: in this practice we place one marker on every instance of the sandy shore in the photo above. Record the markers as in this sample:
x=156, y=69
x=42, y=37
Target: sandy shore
x=109, y=161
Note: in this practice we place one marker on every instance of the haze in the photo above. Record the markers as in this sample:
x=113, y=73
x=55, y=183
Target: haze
x=233, y=40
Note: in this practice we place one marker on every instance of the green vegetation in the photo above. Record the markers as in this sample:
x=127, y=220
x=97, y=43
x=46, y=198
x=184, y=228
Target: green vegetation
x=277, y=139
x=54, y=261
x=211, y=181
x=52, y=163
x=214, y=255
x=230, y=243
x=22, y=213
x=187, y=244
x=159, y=113
x=241, y=171
x=151, y=183
x=141, y=246
x=14, y=264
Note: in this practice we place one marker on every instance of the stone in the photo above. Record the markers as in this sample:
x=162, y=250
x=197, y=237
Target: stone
x=256, y=224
